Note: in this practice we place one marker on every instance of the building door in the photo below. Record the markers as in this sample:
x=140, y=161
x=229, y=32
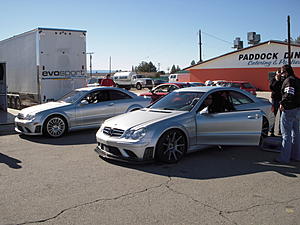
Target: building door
x=3, y=89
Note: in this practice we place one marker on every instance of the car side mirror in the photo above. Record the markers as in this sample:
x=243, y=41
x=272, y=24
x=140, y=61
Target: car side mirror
x=204, y=111
x=84, y=102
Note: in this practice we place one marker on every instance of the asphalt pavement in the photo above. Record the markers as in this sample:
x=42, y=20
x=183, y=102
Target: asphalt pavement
x=63, y=181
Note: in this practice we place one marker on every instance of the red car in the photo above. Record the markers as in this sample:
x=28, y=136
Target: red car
x=164, y=89
x=245, y=85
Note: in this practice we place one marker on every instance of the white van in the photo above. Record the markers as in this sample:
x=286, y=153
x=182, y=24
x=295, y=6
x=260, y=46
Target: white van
x=173, y=77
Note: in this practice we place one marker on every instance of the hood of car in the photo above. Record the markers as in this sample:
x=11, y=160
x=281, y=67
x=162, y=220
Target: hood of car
x=140, y=118
x=42, y=107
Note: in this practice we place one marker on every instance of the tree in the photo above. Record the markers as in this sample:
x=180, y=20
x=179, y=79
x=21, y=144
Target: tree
x=146, y=67
x=152, y=68
x=173, y=69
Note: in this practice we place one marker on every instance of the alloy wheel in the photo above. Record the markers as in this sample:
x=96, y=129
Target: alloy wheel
x=55, y=127
x=171, y=146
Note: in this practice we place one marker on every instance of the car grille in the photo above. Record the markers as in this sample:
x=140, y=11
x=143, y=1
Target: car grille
x=113, y=150
x=20, y=116
x=113, y=131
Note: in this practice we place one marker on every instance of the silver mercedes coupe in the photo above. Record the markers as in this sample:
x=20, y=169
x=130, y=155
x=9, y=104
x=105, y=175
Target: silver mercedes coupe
x=80, y=109
x=185, y=121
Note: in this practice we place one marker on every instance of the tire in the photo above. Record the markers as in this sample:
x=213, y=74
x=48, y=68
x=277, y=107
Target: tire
x=12, y=102
x=18, y=103
x=265, y=128
x=9, y=102
x=264, y=131
x=138, y=86
x=55, y=126
x=171, y=146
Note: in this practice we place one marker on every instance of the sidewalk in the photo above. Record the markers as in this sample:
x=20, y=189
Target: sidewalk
x=7, y=121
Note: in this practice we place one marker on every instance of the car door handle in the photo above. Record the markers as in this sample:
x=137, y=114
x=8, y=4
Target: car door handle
x=256, y=116
x=110, y=104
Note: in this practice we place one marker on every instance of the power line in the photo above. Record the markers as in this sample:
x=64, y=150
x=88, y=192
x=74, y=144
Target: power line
x=213, y=36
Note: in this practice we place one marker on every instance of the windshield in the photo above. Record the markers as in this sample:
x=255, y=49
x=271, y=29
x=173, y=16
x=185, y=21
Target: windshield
x=140, y=76
x=179, y=101
x=72, y=97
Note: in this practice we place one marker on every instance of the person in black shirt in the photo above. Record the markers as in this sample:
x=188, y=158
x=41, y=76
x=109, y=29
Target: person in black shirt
x=290, y=107
x=275, y=86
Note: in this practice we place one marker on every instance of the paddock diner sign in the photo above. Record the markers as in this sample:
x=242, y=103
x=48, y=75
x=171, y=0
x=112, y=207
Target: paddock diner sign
x=269, y=59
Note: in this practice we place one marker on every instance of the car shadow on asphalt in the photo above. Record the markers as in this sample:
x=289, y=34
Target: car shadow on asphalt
x=71, y=138
x=10, y=161
x=214, y=163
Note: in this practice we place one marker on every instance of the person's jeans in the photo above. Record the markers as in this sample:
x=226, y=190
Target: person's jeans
x=276, y=104
x=290, y=148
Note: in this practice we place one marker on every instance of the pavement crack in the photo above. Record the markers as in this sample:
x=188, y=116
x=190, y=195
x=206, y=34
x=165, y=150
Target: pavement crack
x=259, y=205
x=93, y=202
x=220, y=212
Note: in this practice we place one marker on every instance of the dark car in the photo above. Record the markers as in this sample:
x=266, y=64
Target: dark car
x=157, y=82
x=245, y=85
x=164, y=89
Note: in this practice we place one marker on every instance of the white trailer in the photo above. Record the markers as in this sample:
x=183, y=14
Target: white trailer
x=43, y=65
x=128, y=80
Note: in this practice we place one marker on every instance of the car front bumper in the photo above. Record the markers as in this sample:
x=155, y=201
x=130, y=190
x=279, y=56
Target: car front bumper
x=136, y=152
x=28, y=127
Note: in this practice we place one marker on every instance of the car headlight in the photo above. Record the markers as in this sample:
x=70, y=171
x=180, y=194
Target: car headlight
x=135, y=134
x=29, y=117
x=101, y=129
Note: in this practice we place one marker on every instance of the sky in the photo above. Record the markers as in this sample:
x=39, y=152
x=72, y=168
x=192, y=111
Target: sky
x=164, y=32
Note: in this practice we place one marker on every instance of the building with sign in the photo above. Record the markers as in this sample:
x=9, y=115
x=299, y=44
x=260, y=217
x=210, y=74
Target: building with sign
x=256, y=64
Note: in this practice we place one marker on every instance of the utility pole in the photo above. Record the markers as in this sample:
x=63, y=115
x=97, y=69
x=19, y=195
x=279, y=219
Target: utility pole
x=90, y=53
x=200, y=47
x=109, y=64
x=289, y=40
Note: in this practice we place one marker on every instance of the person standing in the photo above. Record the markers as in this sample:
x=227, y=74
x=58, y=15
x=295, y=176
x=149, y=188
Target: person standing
x=290, y=107
x=108, y=82
x=275, y=87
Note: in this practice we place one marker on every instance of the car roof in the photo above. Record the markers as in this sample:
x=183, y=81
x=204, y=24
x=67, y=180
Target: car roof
x=239, y=82
x=211, y=88
x=105, y=88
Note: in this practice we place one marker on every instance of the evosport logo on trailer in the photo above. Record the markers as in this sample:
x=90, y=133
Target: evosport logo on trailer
x=65, y=74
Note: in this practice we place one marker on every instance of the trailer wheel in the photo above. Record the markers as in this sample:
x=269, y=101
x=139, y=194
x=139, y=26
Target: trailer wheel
x=12, y=102
x=8, y=102
x=18, y=103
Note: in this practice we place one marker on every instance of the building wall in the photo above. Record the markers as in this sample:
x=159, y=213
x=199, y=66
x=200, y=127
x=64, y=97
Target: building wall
x=259, y=77
x=250, y=64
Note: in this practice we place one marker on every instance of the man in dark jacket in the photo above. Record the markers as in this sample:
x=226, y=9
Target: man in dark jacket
x=275, y=86
x=290, y=107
